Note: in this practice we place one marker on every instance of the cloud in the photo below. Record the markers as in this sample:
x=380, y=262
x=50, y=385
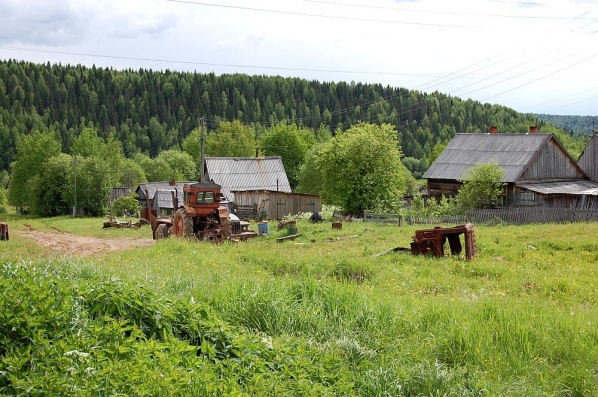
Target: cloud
x=40, y=22
x=60, y=23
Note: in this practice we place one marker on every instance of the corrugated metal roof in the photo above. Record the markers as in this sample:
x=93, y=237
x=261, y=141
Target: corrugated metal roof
x=152, y=187
x=569, y=187
x=163, y=199
x=247, y=173
x=513, y=152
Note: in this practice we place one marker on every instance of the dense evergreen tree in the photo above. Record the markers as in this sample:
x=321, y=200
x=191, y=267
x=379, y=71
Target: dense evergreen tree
x=151, y=111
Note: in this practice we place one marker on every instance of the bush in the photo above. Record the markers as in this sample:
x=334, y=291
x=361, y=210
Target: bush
x=3, y=201
x=125, y=203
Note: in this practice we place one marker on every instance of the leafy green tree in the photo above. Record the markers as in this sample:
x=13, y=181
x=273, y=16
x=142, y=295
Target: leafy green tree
x=33, y=153
x=155, y=170
x=482, y=185
x=361, y=170
x=87, y=144
x=131, y=174
x=291, y=143
x=192, y=145
x=93, y=186
x=180, y=164
x=310, y=179
x=231, y=139
x=52, y=186
x=4, y=178
x=3, y=200
x=436, y=150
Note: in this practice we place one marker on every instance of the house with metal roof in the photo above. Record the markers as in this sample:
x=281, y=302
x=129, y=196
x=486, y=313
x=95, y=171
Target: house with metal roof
x=160, y=194
x=247, y=173
x=538, y=171
x=588, y=160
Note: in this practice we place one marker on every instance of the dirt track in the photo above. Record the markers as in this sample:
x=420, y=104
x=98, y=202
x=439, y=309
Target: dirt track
x=71, y=245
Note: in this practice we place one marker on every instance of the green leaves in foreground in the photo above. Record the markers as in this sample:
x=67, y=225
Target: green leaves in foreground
x=71, y=336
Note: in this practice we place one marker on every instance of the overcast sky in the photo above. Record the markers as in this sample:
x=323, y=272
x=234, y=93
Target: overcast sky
x=537, y=56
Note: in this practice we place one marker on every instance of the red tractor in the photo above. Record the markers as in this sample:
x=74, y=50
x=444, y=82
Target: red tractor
x=204, y=214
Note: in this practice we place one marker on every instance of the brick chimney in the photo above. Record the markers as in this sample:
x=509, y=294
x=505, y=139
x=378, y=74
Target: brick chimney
x=493, y=129
x=172, y=182
x=533, y=129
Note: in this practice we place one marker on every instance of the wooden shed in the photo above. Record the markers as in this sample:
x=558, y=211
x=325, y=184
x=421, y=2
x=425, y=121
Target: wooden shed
x=275, y=204
x=538, y=171
x=588, y=160
x=162, y=201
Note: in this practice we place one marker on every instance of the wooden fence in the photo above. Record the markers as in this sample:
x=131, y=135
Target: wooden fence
x=383, y=218
x=512, y=216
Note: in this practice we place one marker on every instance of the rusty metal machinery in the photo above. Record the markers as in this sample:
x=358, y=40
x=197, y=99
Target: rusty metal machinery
x=3, y=231
x=431, y=241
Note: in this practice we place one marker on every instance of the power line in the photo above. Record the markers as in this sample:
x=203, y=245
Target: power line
x=324, y=16
x=443, y=12
x=35, y=50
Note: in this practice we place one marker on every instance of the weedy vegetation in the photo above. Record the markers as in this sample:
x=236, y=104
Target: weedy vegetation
x=319, y=315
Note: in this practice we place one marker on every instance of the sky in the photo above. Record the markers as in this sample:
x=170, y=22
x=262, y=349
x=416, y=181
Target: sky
x=535, y=56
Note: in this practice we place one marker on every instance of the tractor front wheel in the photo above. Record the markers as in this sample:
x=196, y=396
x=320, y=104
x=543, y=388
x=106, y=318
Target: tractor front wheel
x=182, y=224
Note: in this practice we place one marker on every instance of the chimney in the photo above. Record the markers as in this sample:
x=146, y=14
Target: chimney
x=172, y=182
x=533, y=129
x=493, y=130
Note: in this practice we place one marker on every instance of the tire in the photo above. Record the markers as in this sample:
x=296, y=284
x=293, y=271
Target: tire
x=182, y=224
x=161, y=232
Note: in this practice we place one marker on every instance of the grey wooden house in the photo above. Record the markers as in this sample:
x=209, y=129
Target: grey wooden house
x=160, y=194
x=247, y=173
x=588, y=160
x=538, y=171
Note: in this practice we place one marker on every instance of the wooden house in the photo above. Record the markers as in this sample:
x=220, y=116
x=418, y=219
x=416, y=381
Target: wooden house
x=538, y=171
x=233, y=174
x=247, y=173
x=588, y=160
x=160, y=194
x=268, y=204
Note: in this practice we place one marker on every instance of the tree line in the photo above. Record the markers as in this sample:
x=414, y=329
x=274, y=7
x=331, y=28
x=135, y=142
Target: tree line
x=109, y=128
x=151, y=111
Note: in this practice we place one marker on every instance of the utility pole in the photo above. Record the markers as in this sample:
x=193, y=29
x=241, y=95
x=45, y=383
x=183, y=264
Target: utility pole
x=75, y=204
x=202, y=167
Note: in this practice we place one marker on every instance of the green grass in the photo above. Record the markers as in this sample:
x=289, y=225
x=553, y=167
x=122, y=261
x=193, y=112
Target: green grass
x=321, y=315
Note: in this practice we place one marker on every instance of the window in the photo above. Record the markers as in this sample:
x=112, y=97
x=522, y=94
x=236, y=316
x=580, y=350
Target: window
x=527, y=197
x=205, y=197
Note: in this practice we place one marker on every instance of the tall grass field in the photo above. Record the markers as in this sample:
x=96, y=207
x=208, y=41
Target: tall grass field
x=320, y=315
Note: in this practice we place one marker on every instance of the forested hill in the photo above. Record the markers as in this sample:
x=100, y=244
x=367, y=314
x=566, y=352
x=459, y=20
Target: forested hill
x=574, y=125
x=150, y=111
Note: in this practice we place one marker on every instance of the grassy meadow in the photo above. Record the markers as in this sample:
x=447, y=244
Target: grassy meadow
x=318, y=315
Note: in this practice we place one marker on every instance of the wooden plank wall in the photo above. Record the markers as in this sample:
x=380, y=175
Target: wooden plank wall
x=588, y=161
x=279, y=204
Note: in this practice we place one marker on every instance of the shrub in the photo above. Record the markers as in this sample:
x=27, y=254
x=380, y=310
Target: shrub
x=125, y=203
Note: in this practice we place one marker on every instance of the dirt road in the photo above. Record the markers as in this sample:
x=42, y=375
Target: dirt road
x=71, y=245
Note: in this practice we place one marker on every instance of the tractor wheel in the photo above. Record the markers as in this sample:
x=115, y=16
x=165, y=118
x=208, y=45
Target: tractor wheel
x=226, y=227
x=161, y=232
x=182, y=224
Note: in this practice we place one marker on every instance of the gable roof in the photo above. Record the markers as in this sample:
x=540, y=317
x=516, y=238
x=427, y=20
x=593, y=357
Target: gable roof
x=163, y=199
x=247, y=173
x=152, y=187
x=512, y=152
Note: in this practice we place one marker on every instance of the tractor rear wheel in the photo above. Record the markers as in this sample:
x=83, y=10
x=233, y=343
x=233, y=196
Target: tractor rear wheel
x=161, y=232
x=182, y=224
